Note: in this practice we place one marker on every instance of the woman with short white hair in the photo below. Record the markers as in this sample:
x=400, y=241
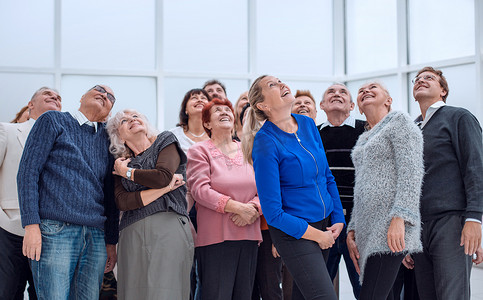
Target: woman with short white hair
x=155, y=250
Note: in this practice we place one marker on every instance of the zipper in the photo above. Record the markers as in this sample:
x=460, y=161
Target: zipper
x=316, y=167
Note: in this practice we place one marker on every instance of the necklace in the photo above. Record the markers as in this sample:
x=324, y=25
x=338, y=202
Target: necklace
x=197, y=136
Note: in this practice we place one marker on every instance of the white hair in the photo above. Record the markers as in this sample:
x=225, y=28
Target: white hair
x=117, y=147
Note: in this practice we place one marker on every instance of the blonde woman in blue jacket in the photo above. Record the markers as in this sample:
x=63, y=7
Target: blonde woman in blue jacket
x=297, y=191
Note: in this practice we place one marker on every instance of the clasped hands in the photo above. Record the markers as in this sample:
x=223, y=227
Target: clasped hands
x=246, y=214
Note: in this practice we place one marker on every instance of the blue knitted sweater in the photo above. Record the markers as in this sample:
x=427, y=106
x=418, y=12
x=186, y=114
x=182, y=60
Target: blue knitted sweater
x=65, y=175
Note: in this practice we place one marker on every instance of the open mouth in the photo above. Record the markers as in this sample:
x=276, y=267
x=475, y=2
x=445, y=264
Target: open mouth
x=336, y=100
x=366, y=96
x=303, y=111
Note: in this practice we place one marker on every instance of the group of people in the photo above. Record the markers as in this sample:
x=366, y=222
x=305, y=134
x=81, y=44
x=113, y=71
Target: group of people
x=235, y=202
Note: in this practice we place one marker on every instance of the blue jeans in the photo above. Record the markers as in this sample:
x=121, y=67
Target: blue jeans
x=340, y=249
x=72, y=261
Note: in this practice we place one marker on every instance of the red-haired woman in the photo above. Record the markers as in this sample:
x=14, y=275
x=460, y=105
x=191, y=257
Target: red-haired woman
x=224, y=188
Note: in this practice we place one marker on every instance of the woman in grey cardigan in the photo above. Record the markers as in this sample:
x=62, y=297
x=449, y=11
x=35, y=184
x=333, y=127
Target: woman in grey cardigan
x=385, y=222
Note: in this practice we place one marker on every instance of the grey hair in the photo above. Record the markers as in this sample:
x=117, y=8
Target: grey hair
x=341, y=84
x=117, y=147
x=44, y=88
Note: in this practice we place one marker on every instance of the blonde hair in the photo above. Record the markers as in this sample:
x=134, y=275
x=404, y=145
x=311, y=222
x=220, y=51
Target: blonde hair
x=255, y=119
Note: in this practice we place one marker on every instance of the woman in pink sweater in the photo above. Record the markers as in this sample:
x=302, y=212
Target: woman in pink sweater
x=223, y=186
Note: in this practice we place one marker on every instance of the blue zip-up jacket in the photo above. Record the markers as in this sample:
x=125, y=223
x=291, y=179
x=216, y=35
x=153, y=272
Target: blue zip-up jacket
x=294, y=182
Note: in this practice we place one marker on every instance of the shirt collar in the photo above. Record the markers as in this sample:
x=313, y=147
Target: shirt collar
x=82, y=119
x=350, y=121
x=430, y=112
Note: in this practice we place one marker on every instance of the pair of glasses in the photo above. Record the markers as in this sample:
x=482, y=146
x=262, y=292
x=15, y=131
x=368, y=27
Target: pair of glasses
x=100, y=89
x=425, y=77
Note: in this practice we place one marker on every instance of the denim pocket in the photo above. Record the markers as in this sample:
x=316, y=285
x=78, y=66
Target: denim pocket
x=49, y=227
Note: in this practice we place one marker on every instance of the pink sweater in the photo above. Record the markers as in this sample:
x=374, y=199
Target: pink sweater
x=213, y=178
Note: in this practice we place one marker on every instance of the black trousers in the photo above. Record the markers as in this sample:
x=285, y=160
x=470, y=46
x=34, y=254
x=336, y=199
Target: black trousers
x=306, y=262
x=269, y=272
x=14, y=268
x=227, y=270
x=379, y=275
x=443, y=270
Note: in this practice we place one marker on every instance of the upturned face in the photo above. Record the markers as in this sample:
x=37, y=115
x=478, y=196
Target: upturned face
x=131, y=124
x=195, y=104
x=276, y=94
x=98, y=100
x=215, y=91
x=304, y=105
x=221, y=119
x=372, y=94
x=427, y=86
x=45, y=100
x=337, y=99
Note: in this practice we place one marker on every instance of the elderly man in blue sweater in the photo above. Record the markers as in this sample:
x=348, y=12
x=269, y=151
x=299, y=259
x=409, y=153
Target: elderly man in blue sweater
x=66, y=199
x=452, y=195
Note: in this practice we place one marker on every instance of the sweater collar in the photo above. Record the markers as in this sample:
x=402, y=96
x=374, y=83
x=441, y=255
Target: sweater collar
x=82, y=119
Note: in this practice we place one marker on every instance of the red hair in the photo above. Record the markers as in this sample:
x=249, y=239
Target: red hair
x=206, y=114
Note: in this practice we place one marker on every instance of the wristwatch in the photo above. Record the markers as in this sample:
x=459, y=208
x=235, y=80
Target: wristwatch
x=129, y=173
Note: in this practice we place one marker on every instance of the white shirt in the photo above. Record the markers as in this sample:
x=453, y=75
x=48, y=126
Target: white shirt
x=350, y=121
x=430, y=112
x=82, y=119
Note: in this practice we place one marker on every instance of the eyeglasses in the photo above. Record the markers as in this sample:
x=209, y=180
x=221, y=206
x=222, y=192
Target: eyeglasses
x=100, y=89
x=427, y=77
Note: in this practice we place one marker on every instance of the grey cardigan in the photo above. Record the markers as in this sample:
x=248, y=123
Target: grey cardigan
x=388, y=161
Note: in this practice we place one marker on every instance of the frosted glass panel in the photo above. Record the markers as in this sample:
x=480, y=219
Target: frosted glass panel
x=108, y=34
x=205, y=36
x=441, y=29
x=27, y=33
x=371, y=35
x=390, y=82
x=17, y=90
x=462, y=89
x=316, y=89
x=176, y=88
x=292, y=38
x=131, y=92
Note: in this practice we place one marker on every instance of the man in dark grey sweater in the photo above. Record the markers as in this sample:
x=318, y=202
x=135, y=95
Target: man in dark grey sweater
x=452, y=196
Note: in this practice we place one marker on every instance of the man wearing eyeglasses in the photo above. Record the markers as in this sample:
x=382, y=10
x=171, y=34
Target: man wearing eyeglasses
x=14, y=267
x=452, y=196
x=66, y=199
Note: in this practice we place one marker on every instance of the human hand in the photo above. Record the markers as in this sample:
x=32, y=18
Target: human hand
x=471, y=237
x=353, y=251
x=395, y=235
x=479, y=256
x=336, y=229
x=111, y=258
x=275, y=252
x=408, y=262
x=248, y=212
x=237, y=219
x=176, y=182
x=32, y=242
x=325, y=240
x=120, y=166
